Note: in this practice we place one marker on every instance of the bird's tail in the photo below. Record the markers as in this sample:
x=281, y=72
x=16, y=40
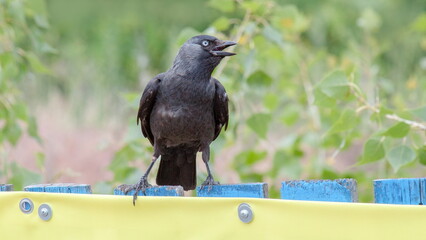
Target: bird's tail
x=178, y=168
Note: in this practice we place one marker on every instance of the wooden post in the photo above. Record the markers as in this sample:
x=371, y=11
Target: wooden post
x=410, y=191
x=339, y=190
x=170, y=191
x=6, y=187
x=60, y=188
x=249, y=190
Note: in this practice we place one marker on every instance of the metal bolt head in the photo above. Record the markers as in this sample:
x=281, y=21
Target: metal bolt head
x=45, y=212
x=26, y=205
x=245, y=213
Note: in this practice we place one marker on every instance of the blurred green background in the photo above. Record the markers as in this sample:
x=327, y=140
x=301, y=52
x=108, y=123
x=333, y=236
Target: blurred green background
x=319, y=89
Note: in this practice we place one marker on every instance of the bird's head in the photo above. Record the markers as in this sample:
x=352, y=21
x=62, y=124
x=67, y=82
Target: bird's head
x=209, y=46
x=203, y=51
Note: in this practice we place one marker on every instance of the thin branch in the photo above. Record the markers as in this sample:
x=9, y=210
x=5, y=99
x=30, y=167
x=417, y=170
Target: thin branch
x=357, y=92
x=412, y=124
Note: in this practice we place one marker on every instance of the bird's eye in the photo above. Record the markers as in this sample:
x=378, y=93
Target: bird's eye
x=205, y=43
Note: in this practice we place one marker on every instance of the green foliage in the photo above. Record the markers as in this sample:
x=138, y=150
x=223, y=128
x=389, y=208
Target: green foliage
x=259, y=123
x=314, y=80
x=326, y=92
x=373, y=151
x=22, y=24
x=318, y=89
x=400, y=156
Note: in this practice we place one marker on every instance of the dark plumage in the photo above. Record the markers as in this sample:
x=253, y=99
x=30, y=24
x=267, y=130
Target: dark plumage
x=182, y=111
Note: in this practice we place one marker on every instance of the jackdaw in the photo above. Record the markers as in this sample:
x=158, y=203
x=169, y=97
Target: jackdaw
x=182, y=111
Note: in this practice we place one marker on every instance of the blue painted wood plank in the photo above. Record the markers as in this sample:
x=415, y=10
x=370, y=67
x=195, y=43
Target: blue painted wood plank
x=165, y=191
x=422, y=191
x=339, y=190
x=60, y=188
x=249, y=190
x=6, y=187
x=35, y=188
x=409, y=191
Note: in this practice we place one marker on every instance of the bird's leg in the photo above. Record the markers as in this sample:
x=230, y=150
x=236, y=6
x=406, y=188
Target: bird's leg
x=209, y=180
x=143, y=184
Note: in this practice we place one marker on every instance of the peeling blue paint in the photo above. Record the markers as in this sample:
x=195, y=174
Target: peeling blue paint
x=60, y=188
x=249, y=190
x=410, y=191
x=339, y=190
x=171, y=191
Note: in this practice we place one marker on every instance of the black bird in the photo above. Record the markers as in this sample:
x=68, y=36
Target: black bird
x=182, y=111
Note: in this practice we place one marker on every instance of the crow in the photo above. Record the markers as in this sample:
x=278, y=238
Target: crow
x=181, y=112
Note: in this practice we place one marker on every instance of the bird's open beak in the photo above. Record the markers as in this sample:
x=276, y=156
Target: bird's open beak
x=217, y=51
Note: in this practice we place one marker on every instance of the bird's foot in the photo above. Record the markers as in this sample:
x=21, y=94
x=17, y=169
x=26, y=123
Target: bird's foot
x=142, y=185
x=209, y=183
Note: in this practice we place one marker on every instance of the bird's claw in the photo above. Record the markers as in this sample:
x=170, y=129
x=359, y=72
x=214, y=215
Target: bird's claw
x=209, y=182
x=142, y=185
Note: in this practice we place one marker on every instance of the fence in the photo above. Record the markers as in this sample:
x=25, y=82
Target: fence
x=240, y=211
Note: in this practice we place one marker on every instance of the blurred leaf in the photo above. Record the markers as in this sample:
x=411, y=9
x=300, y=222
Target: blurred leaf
x=36, y=64
x=221, y=24
x=348, y=120
x=32, y=128
x=271, y=101
x=251, y=177
x=16, y=11
x=398, y=130
x=223, y=5
x=259, y=123
x=273, y=35
x=37, y=6
x=40, y=160
x=254, y=6
x=329, y=174
x=248, y=62
x=246, y=159
x=369, y=20
x=288, y=165
x=20, y=110
x=400, y=156
x=419, y=112
x=421, y=155
x=373, y=151
x=123, y=157
x=291, y=115
x=278, y=162
x=41, y=21
x=378, y=116
x=251, y=157
x=12, y=132
x=259, y=78
x=335, y=85
x=322, y=100
x=123, y=173
x=419, y=24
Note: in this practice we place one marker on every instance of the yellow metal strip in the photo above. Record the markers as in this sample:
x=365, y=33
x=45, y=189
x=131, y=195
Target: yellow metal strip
x=80, y=216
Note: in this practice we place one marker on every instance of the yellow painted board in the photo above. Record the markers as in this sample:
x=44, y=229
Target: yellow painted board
x=83, y=216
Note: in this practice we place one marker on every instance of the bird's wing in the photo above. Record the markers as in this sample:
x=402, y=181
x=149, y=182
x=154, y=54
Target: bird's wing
x=146, y=104
x=220, y=107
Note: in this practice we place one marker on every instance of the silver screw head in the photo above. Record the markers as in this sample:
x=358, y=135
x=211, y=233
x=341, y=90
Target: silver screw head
x=245, y=213
x=45, y=212
x=26, y=205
